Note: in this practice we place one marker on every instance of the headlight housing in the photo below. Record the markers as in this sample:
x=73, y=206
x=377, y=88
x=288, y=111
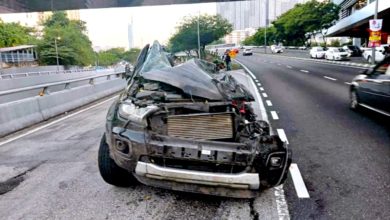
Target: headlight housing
x=129, y=111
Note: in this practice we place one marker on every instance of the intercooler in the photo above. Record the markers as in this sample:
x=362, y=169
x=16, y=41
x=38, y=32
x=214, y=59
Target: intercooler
x=201, y=126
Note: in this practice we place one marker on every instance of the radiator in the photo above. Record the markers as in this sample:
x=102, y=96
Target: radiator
x=201, y=126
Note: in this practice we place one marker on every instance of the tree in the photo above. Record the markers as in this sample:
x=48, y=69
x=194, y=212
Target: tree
x=74, y=46
x=211, y=29
x=114, y=55
x=13, y=34
x=292, y=27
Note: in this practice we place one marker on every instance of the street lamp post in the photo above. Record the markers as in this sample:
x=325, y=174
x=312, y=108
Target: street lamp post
x=373, y=46
x=58, y=63
x=266, y=24
x=198, y=36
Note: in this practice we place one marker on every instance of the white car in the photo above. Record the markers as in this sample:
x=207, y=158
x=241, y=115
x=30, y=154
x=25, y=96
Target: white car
x=247, y=52
x=335, y=53
x=276, y=49
x=317, y=52
x=379, y=53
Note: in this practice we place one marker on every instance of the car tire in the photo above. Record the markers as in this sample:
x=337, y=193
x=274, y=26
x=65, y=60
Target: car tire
x=109, y=170
x=353, y=100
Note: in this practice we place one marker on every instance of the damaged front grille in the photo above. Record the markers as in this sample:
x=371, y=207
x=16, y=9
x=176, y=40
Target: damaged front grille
x=201, y=126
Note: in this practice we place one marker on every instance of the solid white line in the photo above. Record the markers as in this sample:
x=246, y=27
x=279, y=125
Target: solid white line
x=304, y=71
x=348, y=83
x=263, y=112
x=274, y=115
x=265, y=95
x=289, y=67
x=299, y=185
x=269, y=103
x=54, y=122
x=281, y=203
x=330, y=78
x=282, y=135
x=261, y=89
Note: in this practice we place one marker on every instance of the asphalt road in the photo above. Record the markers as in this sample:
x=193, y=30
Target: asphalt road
x=344, y=156
x=50, y=172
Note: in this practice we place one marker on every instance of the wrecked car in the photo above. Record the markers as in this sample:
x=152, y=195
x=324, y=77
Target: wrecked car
x=189, y=128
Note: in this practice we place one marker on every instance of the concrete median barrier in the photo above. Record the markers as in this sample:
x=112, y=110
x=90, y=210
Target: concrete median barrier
x=26, y=112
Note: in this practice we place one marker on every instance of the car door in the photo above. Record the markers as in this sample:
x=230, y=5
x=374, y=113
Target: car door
x=375, y=88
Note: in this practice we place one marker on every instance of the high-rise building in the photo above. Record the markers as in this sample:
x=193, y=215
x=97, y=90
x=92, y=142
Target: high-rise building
x=254, y=13
x=130, y=36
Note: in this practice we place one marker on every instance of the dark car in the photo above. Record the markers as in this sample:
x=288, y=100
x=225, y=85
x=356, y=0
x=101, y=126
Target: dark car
x=372, y=89
x=189, y=128
x=355, y=50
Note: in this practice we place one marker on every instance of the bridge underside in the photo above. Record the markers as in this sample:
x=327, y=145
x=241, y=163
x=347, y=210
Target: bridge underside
x=14, y=6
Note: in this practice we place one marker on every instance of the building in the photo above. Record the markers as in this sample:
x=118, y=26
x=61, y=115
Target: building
x=237, y=36
x=23, y=55
x=354, y=20
x=254, y=13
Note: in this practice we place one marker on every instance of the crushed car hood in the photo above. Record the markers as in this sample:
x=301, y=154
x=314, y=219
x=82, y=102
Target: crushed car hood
x=190, y=78
x=196, y=78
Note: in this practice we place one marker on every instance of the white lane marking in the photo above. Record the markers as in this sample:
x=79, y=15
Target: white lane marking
x=281, y=203
x=330, y=78
x=263, y=112
x=274, y=115
x=261, y=89
x=282, y=135
x=299, y=185
x=264, y=94
x=258, y=84
x=304, y=71
x=348, y=83
x=289, y=67
x=257, y=81
x=54, y=122
x=279, y=64
x=269, y=103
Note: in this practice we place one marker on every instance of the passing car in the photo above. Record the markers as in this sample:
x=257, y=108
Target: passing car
x=189, y=128
x=276, y=49
x=335, y=53
x=354, y=50
x=379, y=53
x=247, y=52
x=372, y=89
x=317, y=52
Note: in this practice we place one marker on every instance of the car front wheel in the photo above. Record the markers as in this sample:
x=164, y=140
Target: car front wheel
x=109, y=170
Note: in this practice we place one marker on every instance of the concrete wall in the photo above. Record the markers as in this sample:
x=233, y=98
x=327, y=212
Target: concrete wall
x=15, y=83
x=30, y=69
x=26, y=112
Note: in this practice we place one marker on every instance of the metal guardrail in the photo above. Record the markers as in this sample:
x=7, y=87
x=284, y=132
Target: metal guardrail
x=41, y=73
x=67, y=83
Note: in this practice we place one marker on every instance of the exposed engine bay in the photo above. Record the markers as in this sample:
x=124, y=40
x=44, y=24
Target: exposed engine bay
x=174, y=126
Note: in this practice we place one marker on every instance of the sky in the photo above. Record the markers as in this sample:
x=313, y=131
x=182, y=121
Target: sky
x=108, y=28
